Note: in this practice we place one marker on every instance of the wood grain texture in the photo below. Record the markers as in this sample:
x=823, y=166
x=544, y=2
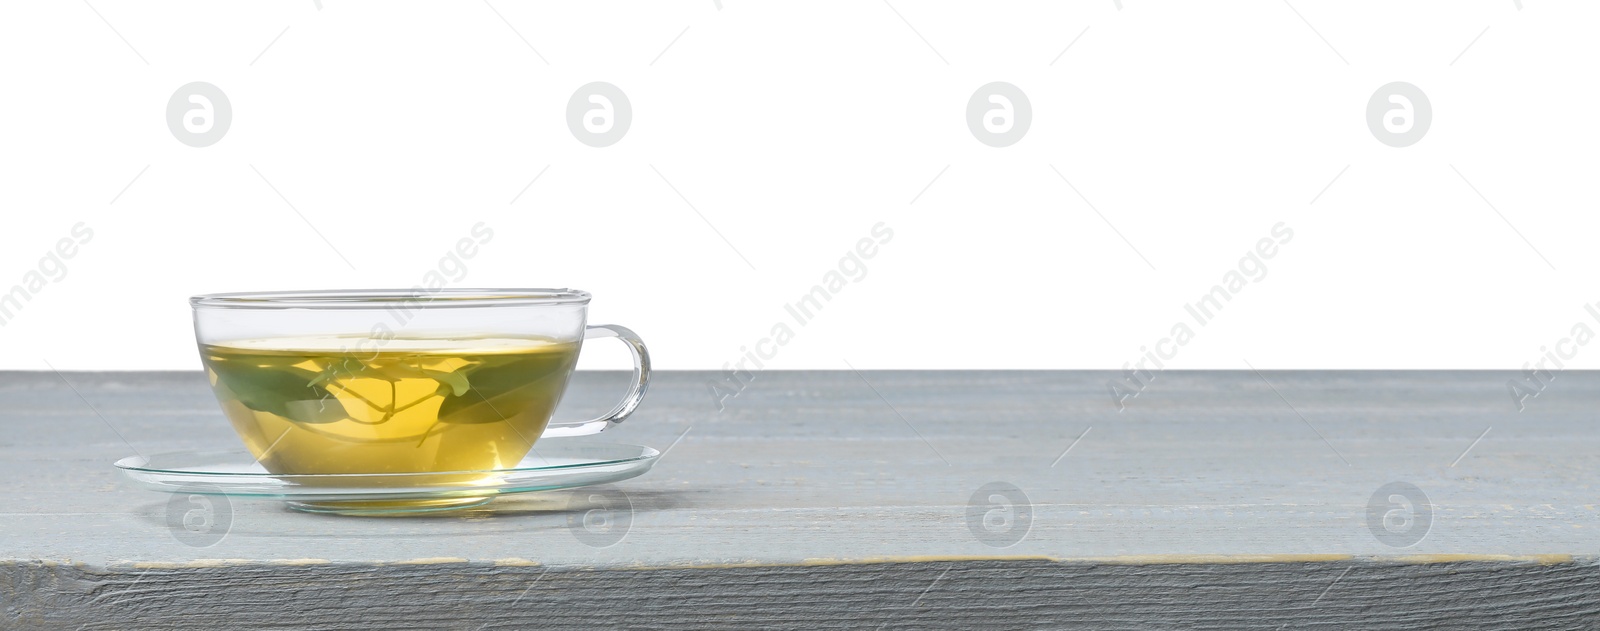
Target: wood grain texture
x=958, y=595
x=835, y=499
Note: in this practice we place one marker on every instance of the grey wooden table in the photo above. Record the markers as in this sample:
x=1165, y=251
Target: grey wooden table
x=1215, y=500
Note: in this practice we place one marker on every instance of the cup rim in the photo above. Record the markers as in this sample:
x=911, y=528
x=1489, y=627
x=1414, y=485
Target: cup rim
x=386, y=298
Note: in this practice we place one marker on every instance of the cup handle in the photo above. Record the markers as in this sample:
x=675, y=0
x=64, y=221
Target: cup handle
x=629, y=403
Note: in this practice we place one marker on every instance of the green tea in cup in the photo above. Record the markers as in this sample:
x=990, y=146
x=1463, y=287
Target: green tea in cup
x=323, y=383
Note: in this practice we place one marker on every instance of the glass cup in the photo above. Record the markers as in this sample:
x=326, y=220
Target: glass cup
x=395, y=381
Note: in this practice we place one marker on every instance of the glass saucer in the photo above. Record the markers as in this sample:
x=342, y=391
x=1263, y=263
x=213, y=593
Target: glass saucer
x=553, y=464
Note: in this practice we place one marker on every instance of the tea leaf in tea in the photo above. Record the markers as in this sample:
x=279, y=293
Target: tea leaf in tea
x=497, y=393
x=272, y=386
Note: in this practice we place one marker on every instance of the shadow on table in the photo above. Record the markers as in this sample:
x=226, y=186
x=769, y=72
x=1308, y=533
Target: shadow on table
x=576, y=502
x=584, y=507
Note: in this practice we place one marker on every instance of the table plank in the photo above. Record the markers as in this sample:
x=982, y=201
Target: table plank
x=1213, y=500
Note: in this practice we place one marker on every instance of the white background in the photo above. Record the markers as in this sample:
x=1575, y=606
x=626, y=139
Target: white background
x=793, y=128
